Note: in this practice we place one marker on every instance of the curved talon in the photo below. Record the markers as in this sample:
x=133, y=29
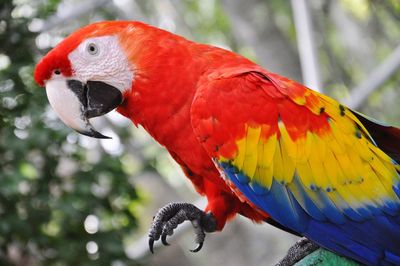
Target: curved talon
x=164, y=240
x=170, y=216
x=151, y=244
x=198, y=248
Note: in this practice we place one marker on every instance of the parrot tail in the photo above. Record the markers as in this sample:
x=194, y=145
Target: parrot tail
x=386, y=137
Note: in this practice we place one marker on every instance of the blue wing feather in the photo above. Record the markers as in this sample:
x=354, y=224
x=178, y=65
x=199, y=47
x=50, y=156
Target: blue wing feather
x=366, y=234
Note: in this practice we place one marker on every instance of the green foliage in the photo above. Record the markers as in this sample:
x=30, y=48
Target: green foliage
x=48, y=185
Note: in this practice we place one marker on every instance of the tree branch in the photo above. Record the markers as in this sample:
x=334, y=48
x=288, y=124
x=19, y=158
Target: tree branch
x=305, y=41
x=377, y=77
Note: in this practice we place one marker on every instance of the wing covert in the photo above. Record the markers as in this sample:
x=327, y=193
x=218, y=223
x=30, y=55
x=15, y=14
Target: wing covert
x=294, y=153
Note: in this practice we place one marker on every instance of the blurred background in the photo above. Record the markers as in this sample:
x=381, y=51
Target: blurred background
x=67, y=199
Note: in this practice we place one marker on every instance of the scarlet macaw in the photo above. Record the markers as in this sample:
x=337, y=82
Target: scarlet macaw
x=251, y=141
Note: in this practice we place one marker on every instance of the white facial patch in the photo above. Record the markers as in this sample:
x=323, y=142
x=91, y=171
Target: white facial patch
x=102, y=59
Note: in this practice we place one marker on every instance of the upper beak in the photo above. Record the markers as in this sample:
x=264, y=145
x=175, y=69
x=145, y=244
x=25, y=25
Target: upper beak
x=76, y=102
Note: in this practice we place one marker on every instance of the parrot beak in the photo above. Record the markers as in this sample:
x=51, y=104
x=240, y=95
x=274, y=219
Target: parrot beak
x=76, y=102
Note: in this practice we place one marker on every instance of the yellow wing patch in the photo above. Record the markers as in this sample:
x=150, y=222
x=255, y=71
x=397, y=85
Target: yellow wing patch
x=343, y=163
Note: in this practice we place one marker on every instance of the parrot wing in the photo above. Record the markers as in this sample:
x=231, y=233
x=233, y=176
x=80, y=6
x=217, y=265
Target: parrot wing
x=309, y=162
x=386, y=137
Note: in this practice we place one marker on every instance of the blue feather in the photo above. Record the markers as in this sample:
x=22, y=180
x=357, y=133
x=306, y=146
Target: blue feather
x=367, y=234
x=309, y=205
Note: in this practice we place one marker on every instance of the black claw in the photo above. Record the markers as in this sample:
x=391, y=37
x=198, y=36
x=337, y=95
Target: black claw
x=174, y=214
x=151, y=244
x=198, y=248
x=164, y=240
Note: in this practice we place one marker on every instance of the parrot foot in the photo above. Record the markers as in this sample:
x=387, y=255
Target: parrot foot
x=170, y=216
x=298, y=251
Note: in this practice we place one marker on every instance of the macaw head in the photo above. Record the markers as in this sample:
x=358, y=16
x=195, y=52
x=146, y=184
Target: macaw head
x=88, y=73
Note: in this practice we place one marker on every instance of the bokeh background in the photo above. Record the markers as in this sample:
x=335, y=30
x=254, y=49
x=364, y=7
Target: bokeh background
x=67, y=199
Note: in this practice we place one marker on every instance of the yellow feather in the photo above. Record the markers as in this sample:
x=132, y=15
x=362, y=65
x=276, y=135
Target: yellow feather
x=304, y=147
x=356, y=164
x=336, y=144
x=266, y=150
x=308, y=146
x=324, y=179
x=266, y=176
x=305, y=174
x=316, y=159
x=338, y=180
x=347, y=167
x=321, y=179
x=361, y=147
x=260, y=151
x=386, y=182
x=288, y=166
x=318, y=148
x=373, y=184
x=371, y=188
x=346, y=139
x=380, y=168
x=288, y=144
x=350, y=191
x=241, y=146
x=355, y=119
x=251, y=153
x=345, y=125
x=332, y=168
x=288, y=154
x=351, y=186
x=278, y=164
x=269, y=150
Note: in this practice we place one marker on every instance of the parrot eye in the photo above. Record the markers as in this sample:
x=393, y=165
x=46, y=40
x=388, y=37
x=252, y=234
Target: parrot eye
x=92, y=49
x=57, y=72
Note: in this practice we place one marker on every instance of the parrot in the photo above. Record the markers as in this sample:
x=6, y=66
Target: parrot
x=252, y=142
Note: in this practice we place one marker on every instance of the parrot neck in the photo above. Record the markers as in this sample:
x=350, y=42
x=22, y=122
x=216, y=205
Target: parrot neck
x=161, y=96
x=163, y=89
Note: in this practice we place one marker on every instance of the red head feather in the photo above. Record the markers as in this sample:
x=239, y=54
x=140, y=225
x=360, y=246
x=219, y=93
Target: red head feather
x=57, y=58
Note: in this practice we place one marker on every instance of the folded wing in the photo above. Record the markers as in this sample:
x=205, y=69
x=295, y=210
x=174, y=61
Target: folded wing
x=308, y=161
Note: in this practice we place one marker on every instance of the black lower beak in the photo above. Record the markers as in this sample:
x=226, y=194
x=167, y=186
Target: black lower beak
x=97, y=98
